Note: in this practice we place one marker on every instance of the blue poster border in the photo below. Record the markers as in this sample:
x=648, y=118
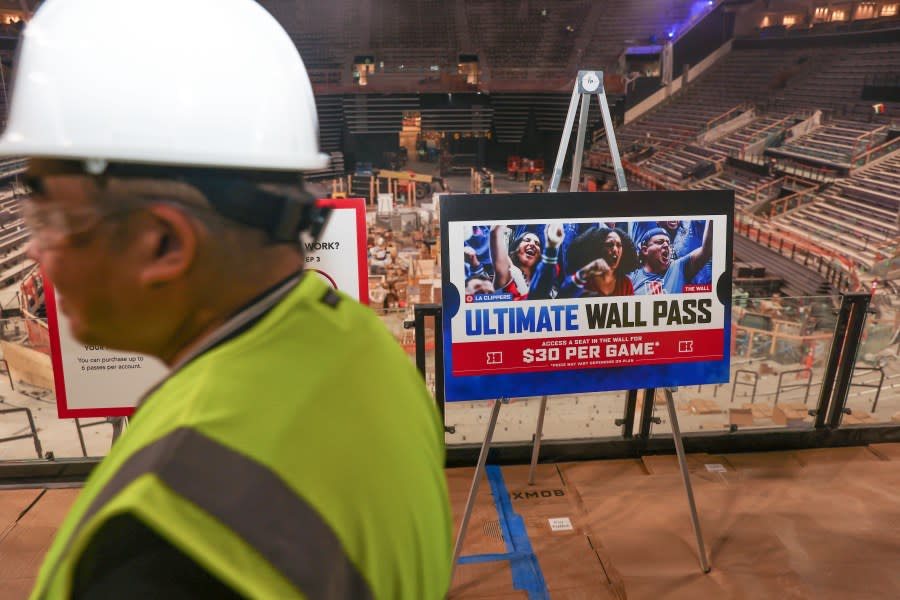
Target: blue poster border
x=572, y=205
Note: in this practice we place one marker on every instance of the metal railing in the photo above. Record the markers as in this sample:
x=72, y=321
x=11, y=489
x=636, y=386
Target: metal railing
x=836, y=376
x=24, y=436
x=836, y=269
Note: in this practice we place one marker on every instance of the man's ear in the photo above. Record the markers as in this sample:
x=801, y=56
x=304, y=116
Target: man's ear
x=168, y=244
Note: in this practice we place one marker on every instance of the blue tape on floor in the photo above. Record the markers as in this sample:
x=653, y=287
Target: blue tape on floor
x=483, y=558
x=526, y=572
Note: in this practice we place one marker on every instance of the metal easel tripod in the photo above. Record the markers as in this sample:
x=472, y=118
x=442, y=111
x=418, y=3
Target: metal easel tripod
x=588, y=83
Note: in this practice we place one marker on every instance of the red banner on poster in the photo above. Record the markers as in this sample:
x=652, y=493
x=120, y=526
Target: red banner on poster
x=585, y=352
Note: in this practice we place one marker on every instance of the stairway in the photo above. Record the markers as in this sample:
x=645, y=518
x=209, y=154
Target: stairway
x=798, y=280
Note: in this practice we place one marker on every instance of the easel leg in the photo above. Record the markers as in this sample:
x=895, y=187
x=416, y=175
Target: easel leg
x=118, y=426
x=81, y=438
x=588, y=83
x=476, y=482
x=579, y=142
x=685, y=476
x=564, y=143
x=613, y=147
x=538, y=431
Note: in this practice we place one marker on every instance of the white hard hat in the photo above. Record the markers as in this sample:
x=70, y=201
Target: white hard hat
x=196, y=83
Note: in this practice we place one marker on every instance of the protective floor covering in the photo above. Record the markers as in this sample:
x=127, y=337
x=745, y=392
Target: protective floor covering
x=808, y=524
x=28, y=521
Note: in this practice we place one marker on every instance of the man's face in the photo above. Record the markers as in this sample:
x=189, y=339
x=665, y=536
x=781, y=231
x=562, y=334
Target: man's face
x=612, y=250
x=658, y=253
x=74, y=241
x=528, y=252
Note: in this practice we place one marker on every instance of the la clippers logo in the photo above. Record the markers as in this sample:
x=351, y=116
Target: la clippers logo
x=470, y=298
x=686, y=346
x=495, y=358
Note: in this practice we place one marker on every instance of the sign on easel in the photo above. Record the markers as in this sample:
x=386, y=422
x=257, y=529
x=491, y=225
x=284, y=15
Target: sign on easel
x=575, y=292
x=94, y=381
x=516, y=269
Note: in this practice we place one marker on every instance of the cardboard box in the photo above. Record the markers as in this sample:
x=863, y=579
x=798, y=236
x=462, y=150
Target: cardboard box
x=28, y=365
x=700, y=406
x=741, y=417
x=759, y=411
x=858, y=419
x=788, y=417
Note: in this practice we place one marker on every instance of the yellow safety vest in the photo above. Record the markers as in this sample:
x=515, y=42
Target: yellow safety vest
x=302, y=458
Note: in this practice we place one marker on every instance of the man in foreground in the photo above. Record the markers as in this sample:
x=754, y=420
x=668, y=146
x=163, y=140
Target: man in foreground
x=293, y=451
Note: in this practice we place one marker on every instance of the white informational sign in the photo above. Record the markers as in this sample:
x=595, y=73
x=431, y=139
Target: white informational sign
x=561, y=524
x=339, y=256
x=93, y=381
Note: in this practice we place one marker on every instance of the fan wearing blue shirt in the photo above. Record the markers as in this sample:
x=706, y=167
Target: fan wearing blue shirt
x=659, y=273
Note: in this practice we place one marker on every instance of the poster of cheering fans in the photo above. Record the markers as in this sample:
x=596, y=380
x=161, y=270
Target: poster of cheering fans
x=583, y=292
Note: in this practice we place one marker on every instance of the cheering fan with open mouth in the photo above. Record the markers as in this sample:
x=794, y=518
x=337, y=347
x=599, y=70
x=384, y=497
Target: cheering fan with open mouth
x=514, y=268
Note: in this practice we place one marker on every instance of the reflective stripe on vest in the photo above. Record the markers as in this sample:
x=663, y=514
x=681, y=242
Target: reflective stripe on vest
x=257, y=506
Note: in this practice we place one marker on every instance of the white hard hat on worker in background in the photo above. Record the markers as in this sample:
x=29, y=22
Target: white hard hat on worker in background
x=194, y=83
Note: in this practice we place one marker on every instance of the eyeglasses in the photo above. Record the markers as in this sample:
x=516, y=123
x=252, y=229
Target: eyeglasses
x=52, y=226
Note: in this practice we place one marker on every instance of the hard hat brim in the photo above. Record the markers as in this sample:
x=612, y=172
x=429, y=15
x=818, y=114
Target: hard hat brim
x=12, y=145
